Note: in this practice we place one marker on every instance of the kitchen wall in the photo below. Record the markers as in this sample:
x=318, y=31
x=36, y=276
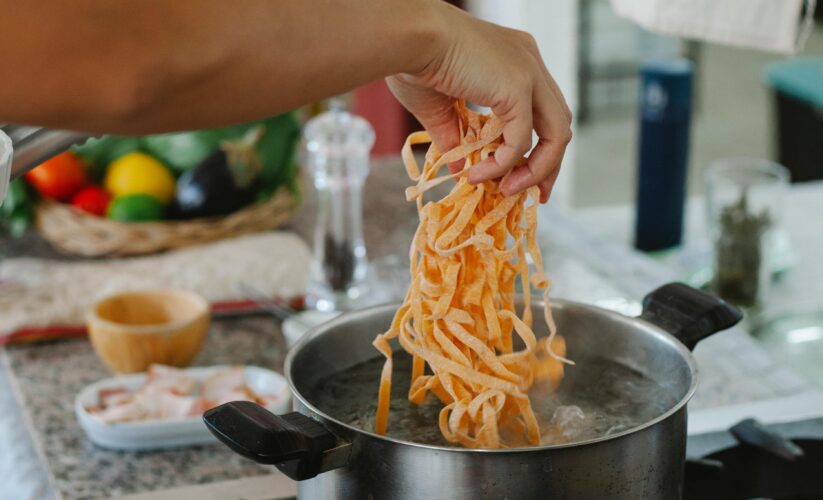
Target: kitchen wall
x=554, y=24
x=733, y=117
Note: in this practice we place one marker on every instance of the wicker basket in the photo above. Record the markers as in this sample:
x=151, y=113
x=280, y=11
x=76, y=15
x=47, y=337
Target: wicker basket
x=76, y=232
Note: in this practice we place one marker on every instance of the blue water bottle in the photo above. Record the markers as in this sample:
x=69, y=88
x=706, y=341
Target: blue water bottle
x=665, y=115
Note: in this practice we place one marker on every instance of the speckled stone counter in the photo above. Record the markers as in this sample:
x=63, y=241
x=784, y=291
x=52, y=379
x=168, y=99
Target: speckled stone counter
x=49, y=376
x=46, y=377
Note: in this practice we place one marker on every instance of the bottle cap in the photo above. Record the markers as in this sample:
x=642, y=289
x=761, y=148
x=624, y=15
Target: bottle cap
x=338, y=134
x=666, y=87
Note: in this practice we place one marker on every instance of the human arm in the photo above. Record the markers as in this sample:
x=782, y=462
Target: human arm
x=141, y=66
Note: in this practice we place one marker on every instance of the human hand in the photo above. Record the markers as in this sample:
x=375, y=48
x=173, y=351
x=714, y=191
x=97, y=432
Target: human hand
x=502, y=69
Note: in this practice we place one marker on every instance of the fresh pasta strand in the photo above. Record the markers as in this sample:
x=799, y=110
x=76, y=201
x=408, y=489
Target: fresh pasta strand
x=458, y=316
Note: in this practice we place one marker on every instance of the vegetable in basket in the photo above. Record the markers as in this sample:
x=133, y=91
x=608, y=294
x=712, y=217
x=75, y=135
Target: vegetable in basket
x=139, y=173
x=59, y=177
x=136, y=208
x=182, y=151
x=275, y=149
x=17, y=210
x=100, y=152
x=225, y=181
x=93, y=200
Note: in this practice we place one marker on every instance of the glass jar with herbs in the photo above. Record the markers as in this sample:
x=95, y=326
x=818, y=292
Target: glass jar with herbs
x=744, y=204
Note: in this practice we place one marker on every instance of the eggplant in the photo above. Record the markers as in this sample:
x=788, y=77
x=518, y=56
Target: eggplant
x=227, y=180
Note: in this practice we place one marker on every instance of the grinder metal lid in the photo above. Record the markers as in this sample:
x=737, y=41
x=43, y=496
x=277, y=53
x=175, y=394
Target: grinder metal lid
x=5, y=164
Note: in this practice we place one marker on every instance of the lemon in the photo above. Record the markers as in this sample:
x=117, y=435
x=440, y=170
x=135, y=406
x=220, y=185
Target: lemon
x=139, y=173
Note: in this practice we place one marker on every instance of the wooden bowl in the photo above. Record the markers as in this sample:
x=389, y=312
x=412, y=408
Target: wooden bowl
x=132, y=330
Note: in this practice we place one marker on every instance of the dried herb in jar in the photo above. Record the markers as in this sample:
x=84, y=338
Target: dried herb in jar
x=739, y=252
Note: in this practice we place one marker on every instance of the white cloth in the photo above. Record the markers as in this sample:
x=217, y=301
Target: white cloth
x=770, y=25
x=40, y=293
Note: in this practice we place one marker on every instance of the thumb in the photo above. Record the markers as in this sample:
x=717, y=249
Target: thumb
x=441, y=121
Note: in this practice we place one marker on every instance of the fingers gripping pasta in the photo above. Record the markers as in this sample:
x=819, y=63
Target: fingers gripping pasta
x=459, y=316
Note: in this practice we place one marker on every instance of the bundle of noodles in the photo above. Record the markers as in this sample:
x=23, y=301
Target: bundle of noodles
x=459, y=313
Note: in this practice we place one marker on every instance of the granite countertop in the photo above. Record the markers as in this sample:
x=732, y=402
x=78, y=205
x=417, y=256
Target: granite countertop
x=49, y=376
x=46, y=377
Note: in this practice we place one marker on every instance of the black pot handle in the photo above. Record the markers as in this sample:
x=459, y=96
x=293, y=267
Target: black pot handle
x=687, y=313
x=298, y=445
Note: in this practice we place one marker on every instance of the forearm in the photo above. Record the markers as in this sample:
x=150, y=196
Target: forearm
x=146, y=66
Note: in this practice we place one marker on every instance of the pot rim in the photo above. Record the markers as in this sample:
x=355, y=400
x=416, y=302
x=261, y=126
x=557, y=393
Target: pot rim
x=662, y=334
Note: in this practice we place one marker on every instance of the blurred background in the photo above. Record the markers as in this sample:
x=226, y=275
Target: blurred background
x=595, y=56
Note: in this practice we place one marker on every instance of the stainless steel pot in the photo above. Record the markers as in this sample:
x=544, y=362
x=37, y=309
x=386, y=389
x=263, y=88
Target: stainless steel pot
x=335, y=460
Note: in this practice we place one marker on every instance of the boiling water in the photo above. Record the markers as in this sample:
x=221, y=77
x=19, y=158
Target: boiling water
x=598, y=397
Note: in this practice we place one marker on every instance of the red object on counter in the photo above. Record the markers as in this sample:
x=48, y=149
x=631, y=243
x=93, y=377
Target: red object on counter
x=391, y=122
x=58, y=177
x=92, y=199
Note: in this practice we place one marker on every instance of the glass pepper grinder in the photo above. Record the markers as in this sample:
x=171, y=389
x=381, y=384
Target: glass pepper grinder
x=5, y=171
x=337, y=147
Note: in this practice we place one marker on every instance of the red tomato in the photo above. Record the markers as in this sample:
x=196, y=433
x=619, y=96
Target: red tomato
x=92, y=199
x=59, y=177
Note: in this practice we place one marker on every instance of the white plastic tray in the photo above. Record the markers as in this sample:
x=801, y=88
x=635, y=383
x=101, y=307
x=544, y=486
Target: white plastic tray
x=161, y=434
